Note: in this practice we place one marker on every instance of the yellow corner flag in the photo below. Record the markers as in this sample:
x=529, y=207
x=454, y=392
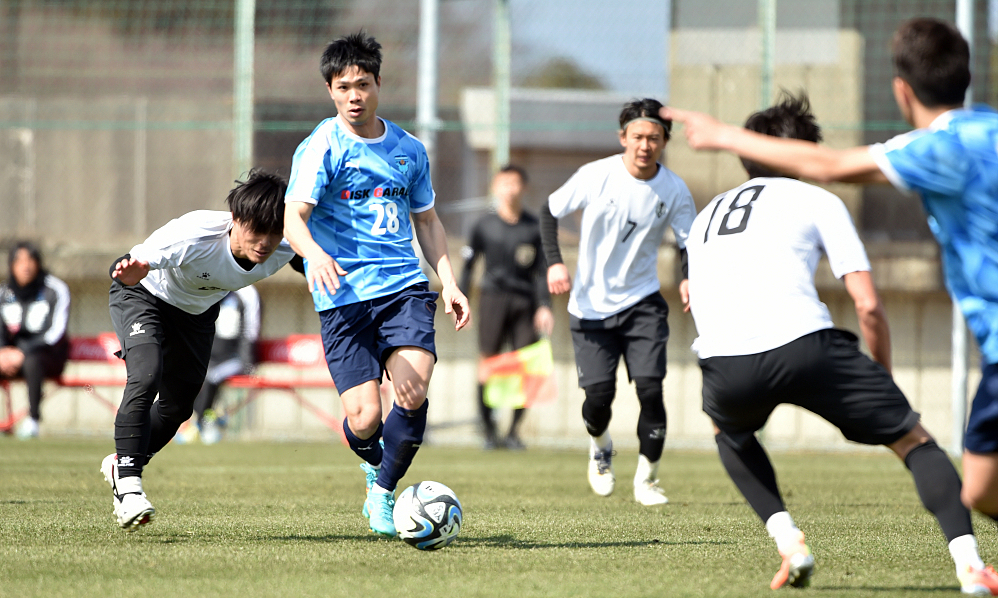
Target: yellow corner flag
x=520, y=378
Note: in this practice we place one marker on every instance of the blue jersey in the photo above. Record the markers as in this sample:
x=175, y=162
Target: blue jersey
x=953, y=166
x=363, y=191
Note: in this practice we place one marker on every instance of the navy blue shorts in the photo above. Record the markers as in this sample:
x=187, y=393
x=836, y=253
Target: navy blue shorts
x=982, y=425
x=359, y=338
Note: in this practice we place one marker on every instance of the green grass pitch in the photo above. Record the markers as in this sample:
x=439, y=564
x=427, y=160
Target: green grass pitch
x=269, y=519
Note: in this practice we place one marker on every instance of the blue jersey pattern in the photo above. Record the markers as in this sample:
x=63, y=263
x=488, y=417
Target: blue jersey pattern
x=363, y=191
x=954, y=167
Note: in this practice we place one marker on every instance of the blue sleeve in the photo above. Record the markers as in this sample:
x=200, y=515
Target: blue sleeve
x=310, y=169
x=934, y=163
x=421, y=195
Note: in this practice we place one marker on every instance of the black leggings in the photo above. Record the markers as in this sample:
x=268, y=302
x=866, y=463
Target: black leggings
x=47, y=361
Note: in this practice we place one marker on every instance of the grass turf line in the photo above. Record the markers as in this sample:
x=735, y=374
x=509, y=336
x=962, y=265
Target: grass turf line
x=261, y=519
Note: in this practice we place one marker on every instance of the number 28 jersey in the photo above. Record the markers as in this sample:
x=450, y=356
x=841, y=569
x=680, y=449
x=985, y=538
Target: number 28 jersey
x=623, y=222
x=364, y=191
x=753, y=252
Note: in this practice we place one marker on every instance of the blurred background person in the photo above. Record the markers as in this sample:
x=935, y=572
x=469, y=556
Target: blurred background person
x=34, y=312
x=514, y=302
x=233, y=353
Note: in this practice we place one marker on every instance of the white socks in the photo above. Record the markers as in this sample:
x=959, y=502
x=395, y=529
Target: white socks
x=782, y=529
x=377, y=489
x=600, y=443
x=129, y=485
x=646, y=472
x=964, y=553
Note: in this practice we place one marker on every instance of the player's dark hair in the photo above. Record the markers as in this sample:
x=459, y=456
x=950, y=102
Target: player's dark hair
x=790, y=118
x=30, y=290
x=357, y=49
x=258, y=202
x=518, y=170
x=646, y=108
x=932, y=57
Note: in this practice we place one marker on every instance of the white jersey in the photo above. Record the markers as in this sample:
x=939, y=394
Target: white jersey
x=752, y=256
x=192, y=266
x=623, y=222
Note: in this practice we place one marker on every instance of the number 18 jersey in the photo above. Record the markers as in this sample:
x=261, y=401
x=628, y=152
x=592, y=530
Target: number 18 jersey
x=753, y=252
x=364, y=191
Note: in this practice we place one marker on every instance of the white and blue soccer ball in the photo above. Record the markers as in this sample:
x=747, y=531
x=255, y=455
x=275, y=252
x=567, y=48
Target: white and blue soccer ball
x=428, y=515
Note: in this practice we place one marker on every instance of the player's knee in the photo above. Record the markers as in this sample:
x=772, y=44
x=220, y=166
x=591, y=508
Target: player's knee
x=144, y=370
x=979, y=499
x=364, y=422
x=596, y=410
x=650, y=397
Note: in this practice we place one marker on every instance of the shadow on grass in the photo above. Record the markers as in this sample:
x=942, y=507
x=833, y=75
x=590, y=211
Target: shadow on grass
x=496, y=542
x=948, y=589
x=511, y=542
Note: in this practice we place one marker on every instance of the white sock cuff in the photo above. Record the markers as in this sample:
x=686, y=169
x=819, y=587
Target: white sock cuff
x=600, y=443
x=646, y=471
x=129, y=485
x=780, y=524
x=377, y=489
x=963, y=549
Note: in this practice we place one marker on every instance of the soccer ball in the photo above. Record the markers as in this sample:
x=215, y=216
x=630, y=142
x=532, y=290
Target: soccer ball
x=427, y=515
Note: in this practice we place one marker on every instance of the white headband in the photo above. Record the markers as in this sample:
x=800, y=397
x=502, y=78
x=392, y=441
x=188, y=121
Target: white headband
x=657, y=121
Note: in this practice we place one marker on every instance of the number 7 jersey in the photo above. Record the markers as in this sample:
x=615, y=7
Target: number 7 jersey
x=623, y=222
x=753, y=252
x=364, y=191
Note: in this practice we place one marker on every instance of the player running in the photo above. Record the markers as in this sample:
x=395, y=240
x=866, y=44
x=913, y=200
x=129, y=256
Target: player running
x=951, y=162
x=615, y=308
x=514, y=288
x=164, y=300
x=355, y=183
x=766, y=339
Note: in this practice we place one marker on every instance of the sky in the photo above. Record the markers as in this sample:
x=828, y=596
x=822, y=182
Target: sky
x=622, y=42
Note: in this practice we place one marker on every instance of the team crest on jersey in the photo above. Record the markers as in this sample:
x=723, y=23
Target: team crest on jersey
x=660, y=209
x=402, y=162
x=525, y=255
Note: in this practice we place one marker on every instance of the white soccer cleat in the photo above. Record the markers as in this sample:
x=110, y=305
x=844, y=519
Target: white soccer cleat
x=601, y=477
x=132, y=509
x=649, y=494
x=28, y=429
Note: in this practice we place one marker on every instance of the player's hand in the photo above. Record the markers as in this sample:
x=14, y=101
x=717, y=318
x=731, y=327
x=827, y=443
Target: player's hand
x=544, y=320
x=323, y=273
x=684, y=293
x=456, y=302
x=130, y=271
x=559, y=281
x=703, y=132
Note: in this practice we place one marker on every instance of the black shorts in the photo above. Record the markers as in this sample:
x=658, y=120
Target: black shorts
x=639, y=334
x=823, y=372
x=505, y=318
x=185, y=339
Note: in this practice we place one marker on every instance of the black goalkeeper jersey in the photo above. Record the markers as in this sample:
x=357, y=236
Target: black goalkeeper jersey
x=514, y=262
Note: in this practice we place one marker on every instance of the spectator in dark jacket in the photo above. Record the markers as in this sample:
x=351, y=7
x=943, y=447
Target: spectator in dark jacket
x=34, y=312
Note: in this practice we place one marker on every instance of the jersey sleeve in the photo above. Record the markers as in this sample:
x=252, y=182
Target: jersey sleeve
x=470, y=253
x=683, y=213
x=421, y=194
x=179, y=240
x=311, y=168
x=572, y=196
x=839, y=238
x=923, y=161
x=60, y=311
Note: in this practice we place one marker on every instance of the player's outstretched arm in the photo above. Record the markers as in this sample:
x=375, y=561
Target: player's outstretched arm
x=797, y=158
x=129, y=271
x=433, y=241
x=871, y=315
x=323, y=271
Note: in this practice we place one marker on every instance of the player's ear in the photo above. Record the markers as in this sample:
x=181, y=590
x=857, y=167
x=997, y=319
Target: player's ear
x=329, y=88
x=622, y=134
x=377, y=81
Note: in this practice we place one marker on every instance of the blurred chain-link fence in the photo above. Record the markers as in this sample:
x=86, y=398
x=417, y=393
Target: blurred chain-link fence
x=117, y=115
